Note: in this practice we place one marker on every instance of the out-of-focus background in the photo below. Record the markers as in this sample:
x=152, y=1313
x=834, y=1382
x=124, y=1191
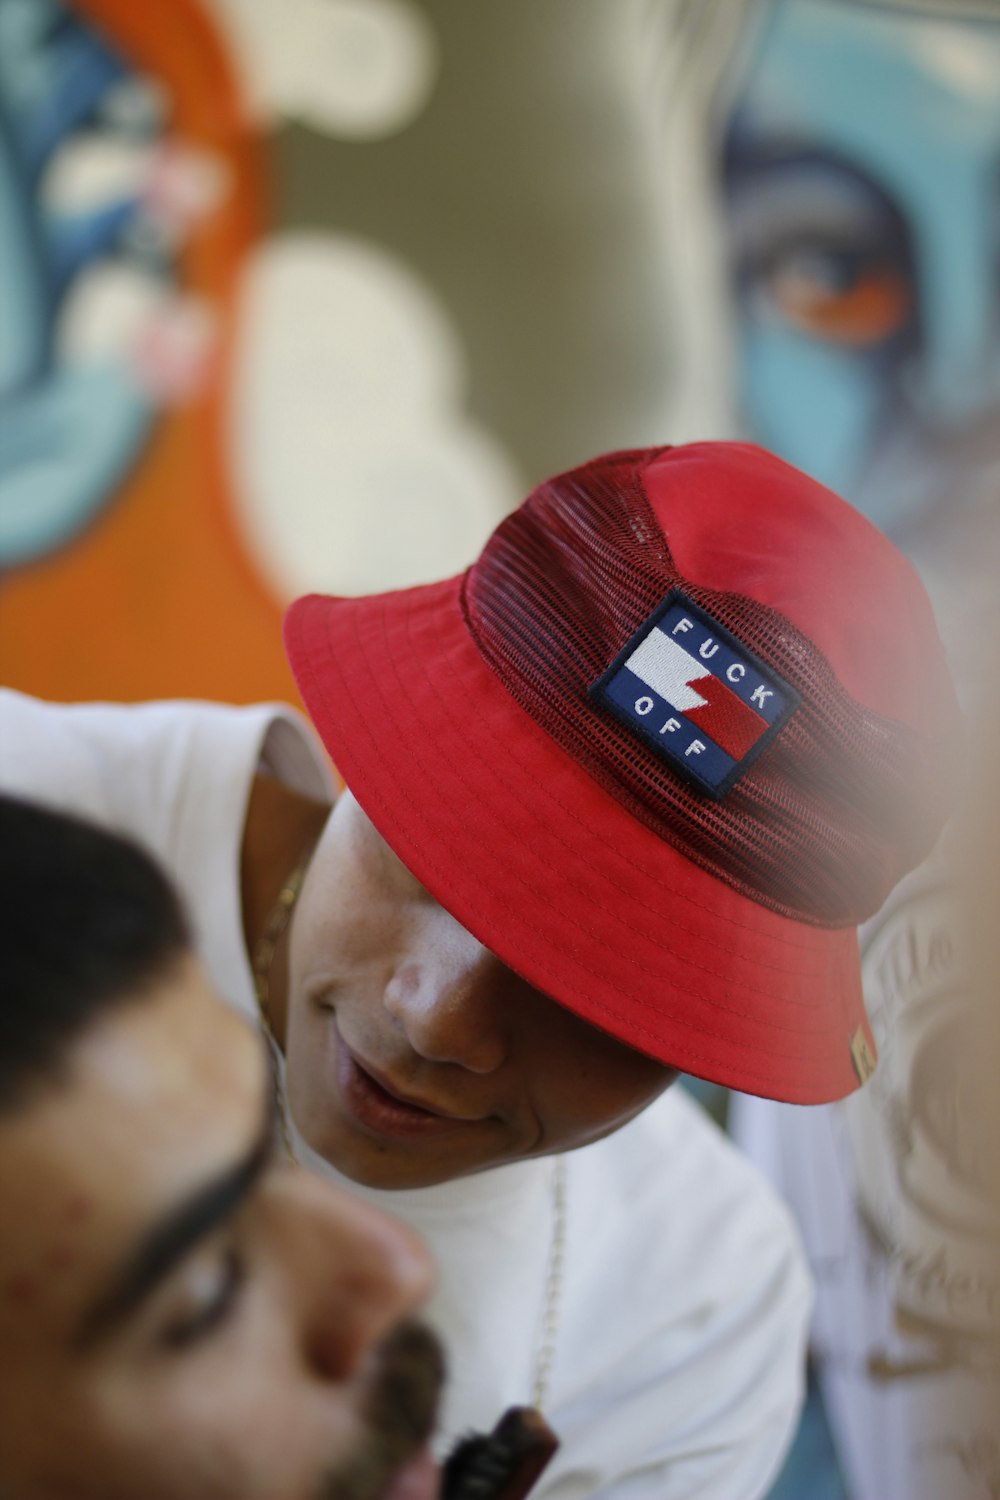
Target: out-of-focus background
x=305, y=294
x=300, y=294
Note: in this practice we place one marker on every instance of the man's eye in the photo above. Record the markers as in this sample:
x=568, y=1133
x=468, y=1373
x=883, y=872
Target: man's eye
x=210, y=1295
x=836, y=295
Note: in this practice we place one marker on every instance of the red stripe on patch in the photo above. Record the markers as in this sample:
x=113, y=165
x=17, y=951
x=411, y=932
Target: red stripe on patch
x=725, y=718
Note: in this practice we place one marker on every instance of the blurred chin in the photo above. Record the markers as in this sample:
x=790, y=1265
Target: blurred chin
x=389, y=1165
x=404, y=1380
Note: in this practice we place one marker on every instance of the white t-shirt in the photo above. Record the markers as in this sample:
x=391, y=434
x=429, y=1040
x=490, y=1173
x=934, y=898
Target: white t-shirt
x=678, y=1352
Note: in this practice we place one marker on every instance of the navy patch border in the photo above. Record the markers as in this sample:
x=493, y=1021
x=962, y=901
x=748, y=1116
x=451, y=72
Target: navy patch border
x=596, y=692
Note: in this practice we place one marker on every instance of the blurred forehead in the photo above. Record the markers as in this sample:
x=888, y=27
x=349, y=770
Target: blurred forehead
x=157, y=1095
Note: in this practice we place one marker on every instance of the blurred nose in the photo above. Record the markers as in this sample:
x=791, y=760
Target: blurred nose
x=354, y=1271
x=447, y=993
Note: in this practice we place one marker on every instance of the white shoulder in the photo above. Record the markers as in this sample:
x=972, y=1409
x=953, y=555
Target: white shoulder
x=136, y=767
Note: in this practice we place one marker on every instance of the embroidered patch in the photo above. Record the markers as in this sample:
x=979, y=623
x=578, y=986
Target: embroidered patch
x=862, y=1056
x=687, y=687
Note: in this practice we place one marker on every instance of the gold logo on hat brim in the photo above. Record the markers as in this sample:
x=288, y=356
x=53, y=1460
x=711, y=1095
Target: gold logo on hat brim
x=863, y=1056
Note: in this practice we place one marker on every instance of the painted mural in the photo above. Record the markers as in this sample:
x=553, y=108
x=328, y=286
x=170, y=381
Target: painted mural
x=132, y=188
x=200, y=416
x=297, y=294
x=832, y=167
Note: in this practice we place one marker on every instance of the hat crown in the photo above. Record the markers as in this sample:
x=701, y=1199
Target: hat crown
x=848, y=793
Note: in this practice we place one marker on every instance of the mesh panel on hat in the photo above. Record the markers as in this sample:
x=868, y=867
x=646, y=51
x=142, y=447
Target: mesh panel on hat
x=834, y=810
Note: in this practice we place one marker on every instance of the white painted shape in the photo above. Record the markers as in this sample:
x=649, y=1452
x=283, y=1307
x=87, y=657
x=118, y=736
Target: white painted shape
x=107, y=310
x=668, y=669
x=357, y=468
x=89, y=172
x=354, y=69
x=173, y=186
x=954, y=55
x=116, y=313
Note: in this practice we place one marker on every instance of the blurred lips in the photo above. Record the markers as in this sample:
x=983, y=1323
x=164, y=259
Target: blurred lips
x=376, y=1102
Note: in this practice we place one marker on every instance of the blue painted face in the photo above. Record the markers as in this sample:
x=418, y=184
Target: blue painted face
x=69, y=430
x=862, y=191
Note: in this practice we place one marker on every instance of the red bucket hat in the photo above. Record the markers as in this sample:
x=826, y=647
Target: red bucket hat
x=680, y=728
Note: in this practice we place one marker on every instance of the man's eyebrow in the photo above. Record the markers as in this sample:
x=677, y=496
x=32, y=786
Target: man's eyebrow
x=178, y=1232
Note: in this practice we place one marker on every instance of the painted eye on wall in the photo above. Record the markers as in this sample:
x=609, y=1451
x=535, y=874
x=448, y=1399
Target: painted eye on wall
x=816, y=243
x=839, y=295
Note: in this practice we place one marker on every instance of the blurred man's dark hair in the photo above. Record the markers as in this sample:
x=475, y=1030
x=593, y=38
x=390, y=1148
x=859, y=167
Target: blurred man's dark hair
x=87, y=920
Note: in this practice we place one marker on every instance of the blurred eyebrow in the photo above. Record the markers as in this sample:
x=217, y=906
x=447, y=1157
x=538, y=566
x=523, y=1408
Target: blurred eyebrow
x=174, y=1236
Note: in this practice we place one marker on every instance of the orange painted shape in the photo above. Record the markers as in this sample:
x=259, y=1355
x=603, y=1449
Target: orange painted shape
x=159, y=597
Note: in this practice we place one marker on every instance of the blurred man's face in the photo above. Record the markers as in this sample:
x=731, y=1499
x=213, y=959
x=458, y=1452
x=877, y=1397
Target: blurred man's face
x=183, y=1315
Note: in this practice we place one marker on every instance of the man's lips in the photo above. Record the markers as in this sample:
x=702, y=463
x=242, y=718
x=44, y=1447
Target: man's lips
x=375, y=1101
x=384, y=1082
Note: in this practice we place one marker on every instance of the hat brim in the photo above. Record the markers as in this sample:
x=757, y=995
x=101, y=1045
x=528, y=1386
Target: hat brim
x=524, y=848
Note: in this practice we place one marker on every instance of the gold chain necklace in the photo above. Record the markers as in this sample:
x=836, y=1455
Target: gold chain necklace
x=263, y=957
x=552, y=1301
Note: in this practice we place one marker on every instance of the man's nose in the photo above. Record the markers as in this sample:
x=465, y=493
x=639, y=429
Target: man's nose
x=355, y=1272
x=447, y=994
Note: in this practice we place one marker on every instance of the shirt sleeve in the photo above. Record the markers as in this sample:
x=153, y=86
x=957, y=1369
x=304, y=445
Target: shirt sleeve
x=150, y=770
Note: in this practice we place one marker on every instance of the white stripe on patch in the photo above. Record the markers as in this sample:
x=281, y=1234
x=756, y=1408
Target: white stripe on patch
x=668, y=669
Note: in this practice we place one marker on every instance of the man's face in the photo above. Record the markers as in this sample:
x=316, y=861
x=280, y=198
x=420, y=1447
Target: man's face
x=414, y=1055
x=184, y=1315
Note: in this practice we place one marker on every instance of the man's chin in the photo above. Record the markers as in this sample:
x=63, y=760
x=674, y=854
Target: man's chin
x=399, y=1412
x=387, y=1165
